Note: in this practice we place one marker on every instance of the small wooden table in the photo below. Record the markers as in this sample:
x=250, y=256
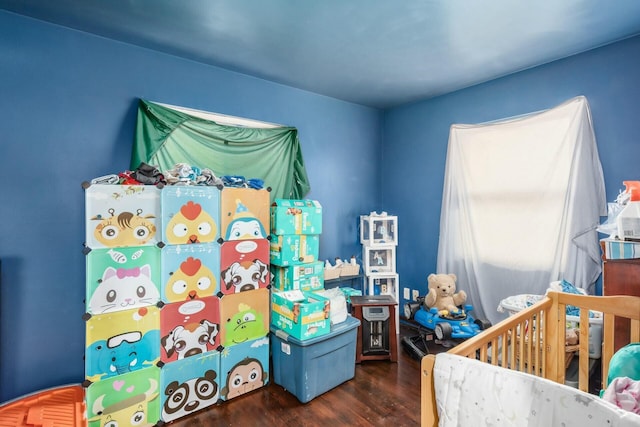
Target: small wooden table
x=375, y=312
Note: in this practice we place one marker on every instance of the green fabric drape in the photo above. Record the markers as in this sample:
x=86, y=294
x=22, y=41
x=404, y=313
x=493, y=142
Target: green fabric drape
x=165, y=137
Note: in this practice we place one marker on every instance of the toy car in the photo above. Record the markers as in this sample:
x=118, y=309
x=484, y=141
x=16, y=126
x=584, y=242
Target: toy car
x=459, y=325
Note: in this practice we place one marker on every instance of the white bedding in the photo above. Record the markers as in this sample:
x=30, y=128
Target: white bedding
x=475, y=394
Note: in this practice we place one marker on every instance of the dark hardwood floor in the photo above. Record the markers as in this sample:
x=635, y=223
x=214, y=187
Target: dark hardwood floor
x=381, y=393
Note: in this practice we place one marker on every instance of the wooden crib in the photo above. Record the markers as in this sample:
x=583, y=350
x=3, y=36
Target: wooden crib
x=533, y=341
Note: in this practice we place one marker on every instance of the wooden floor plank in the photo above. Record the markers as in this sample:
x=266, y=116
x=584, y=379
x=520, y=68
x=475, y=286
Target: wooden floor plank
x=381, y=393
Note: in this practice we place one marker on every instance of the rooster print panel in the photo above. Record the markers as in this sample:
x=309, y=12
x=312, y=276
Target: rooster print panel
x=190, y=214
x=190, y=271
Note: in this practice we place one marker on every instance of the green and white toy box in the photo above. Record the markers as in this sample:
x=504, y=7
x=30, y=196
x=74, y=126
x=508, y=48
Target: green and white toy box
x=305, y=277
x=294, y=249
x=296, y=217
x=303, y=315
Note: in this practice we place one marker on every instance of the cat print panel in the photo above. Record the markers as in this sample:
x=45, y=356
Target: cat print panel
x=122, y=278
x=189, y=328
x=121, y=342
x=189, y=385
x=130, y=399
x=244, y=316
x=190, y=271
x=244, y=368
x=121, y=215
x=244, y=214
x=190, y=214
x=244, y=265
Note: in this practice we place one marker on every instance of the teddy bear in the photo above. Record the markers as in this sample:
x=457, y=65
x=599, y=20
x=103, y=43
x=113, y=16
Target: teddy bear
x=571, y=336
x=442, y=294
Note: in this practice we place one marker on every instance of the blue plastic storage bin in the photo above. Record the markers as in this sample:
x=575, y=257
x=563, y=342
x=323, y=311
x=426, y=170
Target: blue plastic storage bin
x=311, y=367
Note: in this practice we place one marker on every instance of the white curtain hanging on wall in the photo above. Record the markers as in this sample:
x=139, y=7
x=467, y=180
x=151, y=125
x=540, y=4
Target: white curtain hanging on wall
x=521, y=202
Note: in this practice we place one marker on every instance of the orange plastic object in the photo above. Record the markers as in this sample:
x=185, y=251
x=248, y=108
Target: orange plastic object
x=56, y=407
x=632, y=187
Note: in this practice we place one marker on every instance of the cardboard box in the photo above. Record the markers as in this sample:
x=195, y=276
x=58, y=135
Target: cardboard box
x=620, y=249
x=309, y=368
x=303, y=315
x=293, y=249
x=305, y=277
x=296, y=217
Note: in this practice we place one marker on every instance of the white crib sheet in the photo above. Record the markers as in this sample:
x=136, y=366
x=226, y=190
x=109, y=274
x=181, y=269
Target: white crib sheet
x=476, y=394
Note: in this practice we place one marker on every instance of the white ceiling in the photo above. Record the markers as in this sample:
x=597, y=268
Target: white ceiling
x=379, y=53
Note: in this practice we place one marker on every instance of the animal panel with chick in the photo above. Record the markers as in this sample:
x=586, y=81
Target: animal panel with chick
x=191, y=224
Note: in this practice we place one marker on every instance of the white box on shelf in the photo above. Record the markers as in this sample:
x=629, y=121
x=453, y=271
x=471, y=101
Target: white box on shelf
x=379, y=229
x=383, y=284
x=379, y=260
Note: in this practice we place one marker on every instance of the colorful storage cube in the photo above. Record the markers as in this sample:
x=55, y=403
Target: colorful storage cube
x=122, y=278
x=244, y=214
x=244, y=367
x=121, y=215
x=293, y=249
x=244, y=317
x=121, y=342
x=190, y=271
x=305, y=277
x=189, y=328
x=311, y=367
x=125, y=400
x=190, y=214
x=296, y=217
x=244, y=266
x=303, y=315
x=189, y=385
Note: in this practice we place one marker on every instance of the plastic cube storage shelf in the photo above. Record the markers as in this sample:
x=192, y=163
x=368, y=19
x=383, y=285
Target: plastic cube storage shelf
x=311, y=367
x=379, y=260
x=379, y=230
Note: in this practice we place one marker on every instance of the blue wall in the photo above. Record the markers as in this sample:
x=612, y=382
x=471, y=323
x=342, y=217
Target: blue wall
x=416, y=138
x=67, y=113
x=68, y=105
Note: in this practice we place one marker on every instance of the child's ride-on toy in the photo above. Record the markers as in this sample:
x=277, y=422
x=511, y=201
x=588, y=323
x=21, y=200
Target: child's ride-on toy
x=444, y=325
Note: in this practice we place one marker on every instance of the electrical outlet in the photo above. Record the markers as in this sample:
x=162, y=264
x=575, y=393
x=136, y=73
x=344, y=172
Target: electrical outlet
x=416, y=294
x=406, y=293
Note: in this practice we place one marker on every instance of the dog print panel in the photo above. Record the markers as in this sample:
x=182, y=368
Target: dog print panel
x=244, y=266
x=189, y=328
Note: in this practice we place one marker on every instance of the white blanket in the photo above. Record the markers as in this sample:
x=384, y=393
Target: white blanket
x=475, y=394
